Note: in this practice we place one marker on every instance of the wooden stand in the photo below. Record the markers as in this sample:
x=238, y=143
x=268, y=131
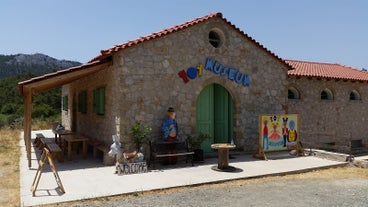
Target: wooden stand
x=46, y=157
x=260, y=154
x=223, y=156
x=299, y=149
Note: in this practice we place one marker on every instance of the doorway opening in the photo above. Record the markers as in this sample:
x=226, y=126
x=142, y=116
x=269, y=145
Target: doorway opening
x=214, y=115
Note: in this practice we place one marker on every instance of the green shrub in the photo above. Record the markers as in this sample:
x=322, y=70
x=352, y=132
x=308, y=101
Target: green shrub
x=3, y=120
x=42, y=111
x=9, y=108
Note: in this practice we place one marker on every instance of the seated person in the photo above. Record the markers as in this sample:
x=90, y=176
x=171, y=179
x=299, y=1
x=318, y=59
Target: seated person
x=169, y=126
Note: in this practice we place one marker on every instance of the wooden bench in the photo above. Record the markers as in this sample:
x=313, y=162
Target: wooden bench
x=55, y=151
x=166, y=150
x=41, y=141
x=100, y=147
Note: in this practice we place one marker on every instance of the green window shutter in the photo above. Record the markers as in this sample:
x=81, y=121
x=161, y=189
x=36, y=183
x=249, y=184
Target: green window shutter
x=99, y=101
x=65, y=103
x=82, y=102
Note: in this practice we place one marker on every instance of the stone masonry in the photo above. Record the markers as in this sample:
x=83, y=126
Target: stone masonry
x=143, y=82
x=339, y=120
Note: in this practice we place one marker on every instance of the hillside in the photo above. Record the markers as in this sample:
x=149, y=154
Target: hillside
x=20, y=67
x=12, y=65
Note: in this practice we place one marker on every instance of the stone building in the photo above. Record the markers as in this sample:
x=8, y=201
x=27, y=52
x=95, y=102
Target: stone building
x=217, y=78
x=331, y=101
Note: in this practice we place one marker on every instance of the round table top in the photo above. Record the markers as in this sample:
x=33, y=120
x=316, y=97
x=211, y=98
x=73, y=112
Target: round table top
x=223, y=146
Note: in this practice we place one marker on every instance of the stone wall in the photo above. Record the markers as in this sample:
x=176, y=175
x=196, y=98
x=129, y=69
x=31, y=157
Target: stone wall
x=143, y=82
x=90, y=124
x=149, y=81
x=338, y=120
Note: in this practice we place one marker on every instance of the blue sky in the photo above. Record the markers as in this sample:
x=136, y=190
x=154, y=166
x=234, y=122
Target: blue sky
x=332, y=31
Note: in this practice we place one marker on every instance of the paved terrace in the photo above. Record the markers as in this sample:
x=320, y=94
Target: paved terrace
x=89, y=178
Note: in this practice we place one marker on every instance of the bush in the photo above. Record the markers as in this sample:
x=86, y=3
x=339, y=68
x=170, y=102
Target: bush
x=42, y=111
x=9, y=108
x=3, y=121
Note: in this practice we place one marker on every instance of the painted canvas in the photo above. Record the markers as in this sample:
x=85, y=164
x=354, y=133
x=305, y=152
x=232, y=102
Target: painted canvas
x=278, y=131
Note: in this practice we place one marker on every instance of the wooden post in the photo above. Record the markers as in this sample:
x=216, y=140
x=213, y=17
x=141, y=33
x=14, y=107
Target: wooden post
x=223, y=158
x=27, y=123
x=260, y=154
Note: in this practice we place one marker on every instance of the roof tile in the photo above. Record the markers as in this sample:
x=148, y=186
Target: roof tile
x=108, y=52
x=325, y=70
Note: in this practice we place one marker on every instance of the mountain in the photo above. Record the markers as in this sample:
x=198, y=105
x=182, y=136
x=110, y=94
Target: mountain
x=38, y=64
x=20, y=67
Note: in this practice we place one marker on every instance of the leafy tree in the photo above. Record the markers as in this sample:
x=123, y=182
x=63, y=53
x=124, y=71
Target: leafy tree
x=9, y=108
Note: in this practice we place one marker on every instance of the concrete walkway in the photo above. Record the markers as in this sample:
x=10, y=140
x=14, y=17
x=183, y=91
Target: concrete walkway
x=84, y=179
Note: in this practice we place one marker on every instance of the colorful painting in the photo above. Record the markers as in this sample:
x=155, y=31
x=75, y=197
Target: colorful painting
x=278, y=132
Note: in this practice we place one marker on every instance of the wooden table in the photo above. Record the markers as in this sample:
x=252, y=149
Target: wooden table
x=74, y=138
x=223, y=156
x=59, y=133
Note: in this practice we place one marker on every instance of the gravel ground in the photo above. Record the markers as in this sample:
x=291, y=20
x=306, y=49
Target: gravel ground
x=280, y=191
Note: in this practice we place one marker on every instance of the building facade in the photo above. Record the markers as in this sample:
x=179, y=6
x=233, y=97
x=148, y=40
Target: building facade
x=219, y=81
x=216, y=77
x=331, y=101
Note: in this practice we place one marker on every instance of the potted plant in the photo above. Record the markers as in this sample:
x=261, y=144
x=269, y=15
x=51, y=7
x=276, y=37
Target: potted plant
x=195, y=142
x=139, y=133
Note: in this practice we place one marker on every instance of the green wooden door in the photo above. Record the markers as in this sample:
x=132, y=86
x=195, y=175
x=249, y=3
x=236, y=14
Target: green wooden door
x=204, y=115
x=214, y=115
x=221, y=114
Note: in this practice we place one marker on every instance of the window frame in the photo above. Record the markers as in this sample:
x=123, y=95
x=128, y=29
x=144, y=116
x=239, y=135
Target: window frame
x=216, y=37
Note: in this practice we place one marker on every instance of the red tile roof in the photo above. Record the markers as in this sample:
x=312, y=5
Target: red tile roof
x=110, y=51
x=326, y=70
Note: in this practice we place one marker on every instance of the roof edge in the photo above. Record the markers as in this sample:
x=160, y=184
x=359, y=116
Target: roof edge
x=60, y=72
x=110, y=51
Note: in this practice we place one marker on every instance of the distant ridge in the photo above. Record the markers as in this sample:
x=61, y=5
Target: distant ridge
x=38, y=64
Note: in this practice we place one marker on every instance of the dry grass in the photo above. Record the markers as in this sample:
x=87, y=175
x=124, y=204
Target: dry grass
x=9, y=167
x=9, y=163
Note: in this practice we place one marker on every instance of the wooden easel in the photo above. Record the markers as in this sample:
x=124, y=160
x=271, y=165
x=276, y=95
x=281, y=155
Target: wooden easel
x=46, y=157
x=260, y=154
x=299, y=149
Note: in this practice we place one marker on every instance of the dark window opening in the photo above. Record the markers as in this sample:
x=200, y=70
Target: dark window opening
x=326, y=95
x=354, y=95
x=215, y=39
x=293, y=94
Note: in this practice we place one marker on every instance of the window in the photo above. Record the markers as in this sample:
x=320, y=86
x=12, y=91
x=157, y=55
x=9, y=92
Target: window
x=354, y=95
x=99, y=101
x=326, y=94
x=82, y=102
x=215, y=38
x=293, y=93
x=65, y=103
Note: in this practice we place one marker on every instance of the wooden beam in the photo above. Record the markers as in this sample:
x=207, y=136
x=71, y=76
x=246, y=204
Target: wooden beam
x=44, y=83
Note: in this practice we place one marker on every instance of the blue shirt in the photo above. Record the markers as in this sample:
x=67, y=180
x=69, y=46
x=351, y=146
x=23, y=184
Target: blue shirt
x=166, y=127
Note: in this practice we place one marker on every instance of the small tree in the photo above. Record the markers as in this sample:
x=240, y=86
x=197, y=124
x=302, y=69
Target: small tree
x=139, y=133
x=197, y=139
